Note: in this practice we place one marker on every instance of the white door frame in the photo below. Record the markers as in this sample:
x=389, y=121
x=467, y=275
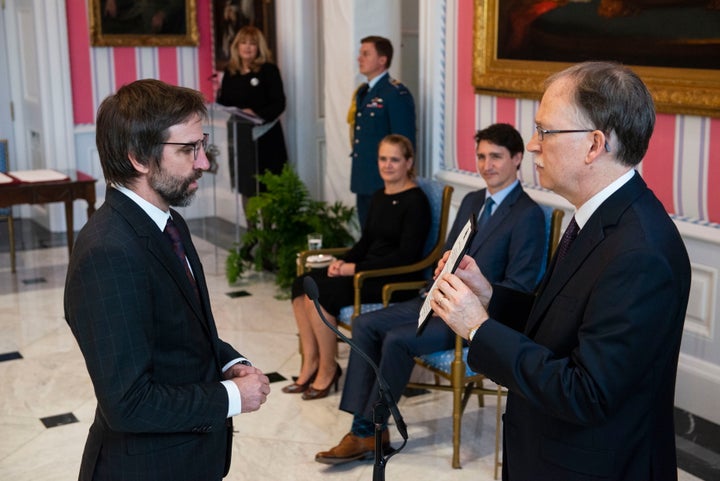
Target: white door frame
x=51, y=62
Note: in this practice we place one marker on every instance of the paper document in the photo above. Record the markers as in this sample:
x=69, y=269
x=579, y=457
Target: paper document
x=459, y=248
x=38, y=175
x=243, y=115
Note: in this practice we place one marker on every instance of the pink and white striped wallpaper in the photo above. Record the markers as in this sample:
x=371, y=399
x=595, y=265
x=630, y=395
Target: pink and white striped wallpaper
x=682, y=165
x=99, y=71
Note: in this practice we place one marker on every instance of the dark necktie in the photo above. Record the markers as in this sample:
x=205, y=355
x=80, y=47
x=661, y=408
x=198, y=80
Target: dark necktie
x=172, y=233
x=568, y=237
x=362, y=91
x=484, y=216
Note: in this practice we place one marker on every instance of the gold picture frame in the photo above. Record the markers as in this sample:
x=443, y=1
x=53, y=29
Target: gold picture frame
x=125, y=23
x=675, y=90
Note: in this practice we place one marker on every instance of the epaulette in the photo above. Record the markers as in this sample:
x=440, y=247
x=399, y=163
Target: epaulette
x=398, y=85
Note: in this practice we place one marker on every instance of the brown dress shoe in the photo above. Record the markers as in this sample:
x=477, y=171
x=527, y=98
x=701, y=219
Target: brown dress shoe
x=353, y=447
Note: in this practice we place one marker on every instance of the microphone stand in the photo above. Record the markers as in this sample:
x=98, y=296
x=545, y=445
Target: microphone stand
x=385, y=403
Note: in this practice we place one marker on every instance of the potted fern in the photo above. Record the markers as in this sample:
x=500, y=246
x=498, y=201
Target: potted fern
x=281, y=217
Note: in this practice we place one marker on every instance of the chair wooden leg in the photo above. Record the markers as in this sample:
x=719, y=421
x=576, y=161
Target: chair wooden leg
x=457, y=391
x=11, y=232
x=498, y=432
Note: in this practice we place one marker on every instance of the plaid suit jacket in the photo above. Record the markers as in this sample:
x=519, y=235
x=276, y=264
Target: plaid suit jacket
x=151, y=349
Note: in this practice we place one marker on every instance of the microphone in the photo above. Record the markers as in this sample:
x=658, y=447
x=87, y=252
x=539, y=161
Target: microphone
x=311, y=289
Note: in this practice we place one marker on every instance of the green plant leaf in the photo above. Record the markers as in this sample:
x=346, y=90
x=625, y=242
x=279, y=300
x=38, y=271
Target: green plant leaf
x=281, y=218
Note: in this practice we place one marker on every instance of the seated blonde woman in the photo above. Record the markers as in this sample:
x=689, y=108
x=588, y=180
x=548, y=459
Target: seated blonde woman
x=397, y=226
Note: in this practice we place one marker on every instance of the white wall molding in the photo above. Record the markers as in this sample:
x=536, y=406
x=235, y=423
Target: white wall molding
x=697, y=389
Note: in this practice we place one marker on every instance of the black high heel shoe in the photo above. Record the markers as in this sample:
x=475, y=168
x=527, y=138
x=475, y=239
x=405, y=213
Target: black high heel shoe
x=313, y=393
x=296, y=388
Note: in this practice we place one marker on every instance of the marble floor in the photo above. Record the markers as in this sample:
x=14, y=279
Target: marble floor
x=43, y=378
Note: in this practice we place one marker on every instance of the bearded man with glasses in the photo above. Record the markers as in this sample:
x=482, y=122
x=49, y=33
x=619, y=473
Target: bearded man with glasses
x=137, y=302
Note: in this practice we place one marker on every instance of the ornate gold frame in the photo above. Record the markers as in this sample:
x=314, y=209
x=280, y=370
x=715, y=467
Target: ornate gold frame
x=675, y=90
x=98, y=38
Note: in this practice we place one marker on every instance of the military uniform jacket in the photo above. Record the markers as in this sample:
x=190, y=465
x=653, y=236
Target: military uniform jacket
x=387, y=108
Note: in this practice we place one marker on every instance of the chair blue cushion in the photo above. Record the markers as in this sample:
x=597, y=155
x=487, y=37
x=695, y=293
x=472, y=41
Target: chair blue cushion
x=442, y=360
x=434, y=192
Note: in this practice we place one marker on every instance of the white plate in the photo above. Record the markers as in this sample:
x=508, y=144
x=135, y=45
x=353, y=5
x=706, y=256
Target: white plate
x=319, y=261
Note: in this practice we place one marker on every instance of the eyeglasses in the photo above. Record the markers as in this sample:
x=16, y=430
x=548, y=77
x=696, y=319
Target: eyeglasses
x=543, y=132
x=194, y=145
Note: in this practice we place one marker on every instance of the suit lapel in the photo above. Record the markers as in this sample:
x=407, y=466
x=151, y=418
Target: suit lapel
x=499, y=216
x=160, y=247
x=195, y=265
x=592, y=234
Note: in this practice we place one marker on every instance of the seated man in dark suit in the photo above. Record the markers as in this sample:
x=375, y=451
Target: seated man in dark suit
x=509, y=245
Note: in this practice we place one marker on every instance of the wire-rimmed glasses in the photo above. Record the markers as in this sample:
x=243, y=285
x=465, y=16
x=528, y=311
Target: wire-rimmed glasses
x=542, y=132
x=194, y=145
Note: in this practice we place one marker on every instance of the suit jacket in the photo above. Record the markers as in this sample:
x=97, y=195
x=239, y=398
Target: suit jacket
x=507, y=248
x=151, y=348
x=591, y=380
x=387, y=108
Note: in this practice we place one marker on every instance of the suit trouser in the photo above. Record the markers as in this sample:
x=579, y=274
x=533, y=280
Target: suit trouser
x=388, y=337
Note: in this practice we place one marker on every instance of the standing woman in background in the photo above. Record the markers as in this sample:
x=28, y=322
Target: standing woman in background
x=253, y=84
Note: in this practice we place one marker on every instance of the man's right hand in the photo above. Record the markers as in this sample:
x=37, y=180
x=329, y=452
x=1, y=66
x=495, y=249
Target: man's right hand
x=469, y=272
x=254, y=388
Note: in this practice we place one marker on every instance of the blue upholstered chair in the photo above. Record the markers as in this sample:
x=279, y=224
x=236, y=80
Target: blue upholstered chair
x=451, y=364
x=439, y=196
x=6, y=212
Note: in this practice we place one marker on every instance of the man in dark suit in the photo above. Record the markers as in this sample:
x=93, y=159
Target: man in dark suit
x=380, y=107
x=137, y=302
x=510, y=245
x=591, y=379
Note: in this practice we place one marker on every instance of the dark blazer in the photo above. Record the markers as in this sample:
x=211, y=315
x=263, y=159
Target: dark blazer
x=592, y=378
x=510, y=250
x=510, y=235
x=151, y=349
x=387, y=108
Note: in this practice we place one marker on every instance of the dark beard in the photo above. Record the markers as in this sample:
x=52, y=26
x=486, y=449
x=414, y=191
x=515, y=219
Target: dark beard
x=174, y=190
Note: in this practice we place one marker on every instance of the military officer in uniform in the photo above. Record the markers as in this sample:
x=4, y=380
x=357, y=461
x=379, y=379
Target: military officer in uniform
x=379, y=107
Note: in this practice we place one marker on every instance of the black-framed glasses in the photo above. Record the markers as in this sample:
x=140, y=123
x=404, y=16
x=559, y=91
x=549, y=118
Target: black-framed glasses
x=542, y=132
x=194, y=145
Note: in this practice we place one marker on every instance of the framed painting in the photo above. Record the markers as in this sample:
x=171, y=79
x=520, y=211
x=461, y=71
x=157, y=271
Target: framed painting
x=518, y=43
x=132, y=23
x=229, y=16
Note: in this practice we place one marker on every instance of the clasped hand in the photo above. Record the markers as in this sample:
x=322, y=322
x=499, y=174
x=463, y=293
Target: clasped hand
x=461, y=299
x=254, y=386
x=339, y=267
